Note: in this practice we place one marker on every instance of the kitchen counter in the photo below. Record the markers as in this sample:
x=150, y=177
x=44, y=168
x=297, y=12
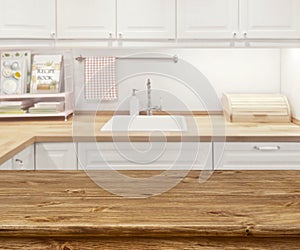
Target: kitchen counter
x=15, y=136
x=67, y=210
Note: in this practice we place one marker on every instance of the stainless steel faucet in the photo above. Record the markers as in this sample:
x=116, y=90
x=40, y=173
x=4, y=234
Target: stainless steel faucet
x=149, y=104
x=149, y=108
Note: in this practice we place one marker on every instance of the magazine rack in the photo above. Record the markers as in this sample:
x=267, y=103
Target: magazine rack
x=66, y=95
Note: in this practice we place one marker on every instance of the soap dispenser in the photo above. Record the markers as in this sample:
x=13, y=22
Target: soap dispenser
x=134, y=107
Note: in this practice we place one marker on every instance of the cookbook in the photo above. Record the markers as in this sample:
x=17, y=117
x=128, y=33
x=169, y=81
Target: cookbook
x=46, y=74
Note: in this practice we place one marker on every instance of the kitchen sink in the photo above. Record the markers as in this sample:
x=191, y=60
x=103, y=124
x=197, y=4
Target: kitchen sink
x=146, y=123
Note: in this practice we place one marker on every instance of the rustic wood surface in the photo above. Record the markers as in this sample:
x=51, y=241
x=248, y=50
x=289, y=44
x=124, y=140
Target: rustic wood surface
x=125, y=243
x=16, y=135
x=230, y=203
x=232, y=210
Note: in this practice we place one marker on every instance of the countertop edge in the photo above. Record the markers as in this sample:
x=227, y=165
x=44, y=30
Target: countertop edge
x=130, y=230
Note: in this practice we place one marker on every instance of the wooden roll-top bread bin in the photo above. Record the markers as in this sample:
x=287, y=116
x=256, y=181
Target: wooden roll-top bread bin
x=264, y=108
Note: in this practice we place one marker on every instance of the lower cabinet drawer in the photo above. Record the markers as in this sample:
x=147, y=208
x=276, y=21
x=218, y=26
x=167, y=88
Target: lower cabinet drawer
x=23, y=160
x=56, y=156
x=257, y=156
x=144, y=156
x=6, y=165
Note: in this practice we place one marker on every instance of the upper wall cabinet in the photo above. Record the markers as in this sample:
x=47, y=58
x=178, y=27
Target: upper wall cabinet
x=27, y=19
x=128, y=19
x=270, y=18
x=207, y=19
x=144, y=19
x=150, y=19
x=86, y=19
x=223, y=19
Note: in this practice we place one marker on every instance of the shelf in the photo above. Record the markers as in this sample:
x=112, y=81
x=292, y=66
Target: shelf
x=28, y=115
x=67, y=97
x=33, y=96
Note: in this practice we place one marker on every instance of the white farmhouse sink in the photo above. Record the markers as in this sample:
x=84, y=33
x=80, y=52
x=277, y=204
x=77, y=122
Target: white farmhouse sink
x=145, y=123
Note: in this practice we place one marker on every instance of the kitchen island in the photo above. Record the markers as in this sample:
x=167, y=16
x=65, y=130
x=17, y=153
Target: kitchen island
x=233, y=209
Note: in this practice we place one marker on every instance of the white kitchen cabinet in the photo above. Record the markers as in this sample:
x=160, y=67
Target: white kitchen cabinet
x=24, y=160
x=257, y=156
x=6, y=165
x=86, y=19
x=27, y=19
x=128, y=19
x=56, y=156
x=144, y=19
x=253, y=19
x=270, y=18
x=208, y=19
x=144, y=156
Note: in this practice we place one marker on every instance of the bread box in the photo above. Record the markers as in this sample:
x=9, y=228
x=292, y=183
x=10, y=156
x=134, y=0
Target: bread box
x=256, y=108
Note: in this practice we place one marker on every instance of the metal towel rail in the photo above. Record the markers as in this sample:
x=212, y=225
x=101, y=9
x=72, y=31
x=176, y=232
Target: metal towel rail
x=173, y=58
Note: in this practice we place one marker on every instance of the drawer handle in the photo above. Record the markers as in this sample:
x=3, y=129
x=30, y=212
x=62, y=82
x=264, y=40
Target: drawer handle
x=267, y=148
x=20, y=163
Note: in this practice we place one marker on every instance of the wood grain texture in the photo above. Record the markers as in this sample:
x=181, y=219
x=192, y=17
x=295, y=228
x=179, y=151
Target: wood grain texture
x=230, y=203
x=296, y=121
x=16, y=135
x=256, y=107
x=125, y=243
x=232, y=210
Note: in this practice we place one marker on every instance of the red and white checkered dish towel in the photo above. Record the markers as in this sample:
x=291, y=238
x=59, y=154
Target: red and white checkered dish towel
x=100, y=78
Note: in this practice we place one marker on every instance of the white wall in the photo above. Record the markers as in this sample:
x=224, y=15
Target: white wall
x=227, y=70
x=290, y=78
x=238, y=70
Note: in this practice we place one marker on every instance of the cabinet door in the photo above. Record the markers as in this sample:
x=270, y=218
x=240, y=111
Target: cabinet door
x=270, y=18
x=144, y=19
x=257, y=156
x=56, y=156
x=86, y=18
x=207, y=18
x=24, y=160
x=6, y=165
x=144, y=156
x=27, y=18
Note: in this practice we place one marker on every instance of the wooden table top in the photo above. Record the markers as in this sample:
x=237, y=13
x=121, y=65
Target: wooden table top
x=17, y=135
x=230, y=203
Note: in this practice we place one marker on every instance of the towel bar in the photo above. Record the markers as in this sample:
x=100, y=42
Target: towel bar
x=173, y=58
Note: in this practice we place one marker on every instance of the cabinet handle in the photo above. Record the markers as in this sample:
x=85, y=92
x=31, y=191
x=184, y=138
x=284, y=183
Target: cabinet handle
x=52, y=34
x=110, y=34
x=267, y=148
x=120, y=35
x=234, y=34
x=20, y=163
x=245, y=34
